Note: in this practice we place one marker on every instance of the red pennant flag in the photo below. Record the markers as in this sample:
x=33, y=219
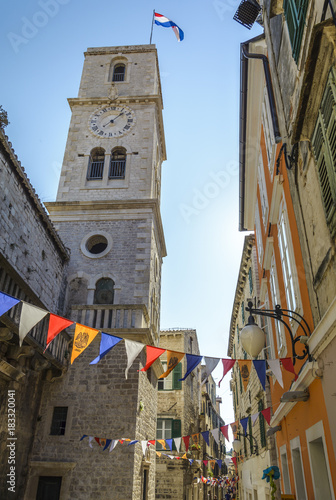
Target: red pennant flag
x=152, y=354
x=287, y=363
x=56, y=325
x=225, y=431
x=234, y=460
x=205, y=462
x=267, y=415
x=186, y=442
x=227, y=365
x=97, y=439
x=152, y=441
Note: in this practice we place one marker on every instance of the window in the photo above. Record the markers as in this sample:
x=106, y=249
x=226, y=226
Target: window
x=295, y=13
x=267, y=122
x=267, y=327
x=118, y=164
x=104, y=292
x=285, y=471
x=298, y=470
x=96, y=244
x=276, y=300
x=49, y=488
x=119, y=73
x=59, y=420
x=318, y=457
x=167, y=428
x=96, y=164
x=263, y=192
x=262, y=424
x=258, y=235
x=324, y=147
x=171, y=382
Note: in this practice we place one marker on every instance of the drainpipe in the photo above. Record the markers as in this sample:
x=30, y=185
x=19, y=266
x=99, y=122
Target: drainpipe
x=269, y=86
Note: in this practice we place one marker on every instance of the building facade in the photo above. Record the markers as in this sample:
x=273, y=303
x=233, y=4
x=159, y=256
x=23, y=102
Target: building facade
x=287, y=198
x=107, y=213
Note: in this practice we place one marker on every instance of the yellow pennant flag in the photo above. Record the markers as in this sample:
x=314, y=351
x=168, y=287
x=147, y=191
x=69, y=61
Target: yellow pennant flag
x=212, y=464
x=82, y=338
x=195, y=438
x=245, y=370
x=162, y=443
x=158, y=454
x=185, y=456
x=173, y=359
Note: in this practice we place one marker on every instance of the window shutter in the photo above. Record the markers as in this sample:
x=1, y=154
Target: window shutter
x=250, y=432
x=176, y=430
x=250, y=280
x=295, y=13
x=177, y=374
x=262, y=424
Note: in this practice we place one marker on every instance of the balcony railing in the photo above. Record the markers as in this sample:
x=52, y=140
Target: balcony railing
x=95, y=170
x=117, y=169
x=111, y=316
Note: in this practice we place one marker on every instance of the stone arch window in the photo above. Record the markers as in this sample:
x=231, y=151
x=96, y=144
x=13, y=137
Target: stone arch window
x=119, y=71
x=118, y=164
x=96, y=164
x=104, y=292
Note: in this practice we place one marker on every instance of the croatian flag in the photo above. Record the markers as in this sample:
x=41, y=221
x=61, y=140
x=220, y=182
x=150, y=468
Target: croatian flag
x=167, y=23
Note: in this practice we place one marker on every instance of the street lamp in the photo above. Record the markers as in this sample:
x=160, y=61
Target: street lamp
x=253, y=338
x=236, y=444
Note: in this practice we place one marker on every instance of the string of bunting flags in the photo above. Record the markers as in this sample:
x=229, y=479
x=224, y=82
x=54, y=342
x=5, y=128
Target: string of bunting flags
x=31, y=315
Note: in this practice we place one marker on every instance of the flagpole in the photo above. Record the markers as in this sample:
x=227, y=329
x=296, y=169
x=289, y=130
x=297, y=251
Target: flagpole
x=150, y=40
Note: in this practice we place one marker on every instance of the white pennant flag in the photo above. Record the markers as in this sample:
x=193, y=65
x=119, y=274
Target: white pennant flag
x=170, y=456
x=254, y=418
x=132, y=350
x=90, y=441
x=210, y=365
x=30, y=316
x=215, y=433
x=177, y=442
x=274, y=365
x=113, y=444
x=144, y=446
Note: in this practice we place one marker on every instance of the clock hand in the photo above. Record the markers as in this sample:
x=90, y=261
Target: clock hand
x=112, y=121
x=118, y=116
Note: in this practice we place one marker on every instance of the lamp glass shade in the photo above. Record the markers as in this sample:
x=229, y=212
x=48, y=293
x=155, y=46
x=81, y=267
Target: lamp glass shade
x=253, y=339
x=236, y=444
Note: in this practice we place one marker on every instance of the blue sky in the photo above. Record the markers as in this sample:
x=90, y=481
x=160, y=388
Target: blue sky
x=41, y=50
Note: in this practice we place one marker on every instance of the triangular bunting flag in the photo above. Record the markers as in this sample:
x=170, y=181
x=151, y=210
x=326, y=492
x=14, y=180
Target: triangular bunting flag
x=144, y=446
x=227, y=365
x=254, y=417
x=82, y=339
x=212, y=464
x=103, y=442
x=158, y=454
x=274, y=365
x=108, y=441
x=56, y=325
x=192, y=361
x=132, y=350
x=90, y=441
x=98, y=440
x=244, y=422
x=287, y=363
x=245, y=370
x=133, y=442
x=162, y=443
x=215, y=433
x=170, y=443
x=107, y=342
x=234, y=427
x=267, y=414
x=225, y=431
x=260, y=368
x=190, y=460
x=113, y=444
x=185, y=456
x=7, y=302
x=177, y=442
x=205, y=462
x=84, y=436
x=234, y=460
x=210, y=365
x=186, y=442
x=30, y=316
x=219, y=462
x=205, y=435
x=195, y=438
x=152, y=441
x=173, y=359
x=152, y=354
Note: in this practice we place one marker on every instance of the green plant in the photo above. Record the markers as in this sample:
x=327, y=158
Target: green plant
x=3, y=118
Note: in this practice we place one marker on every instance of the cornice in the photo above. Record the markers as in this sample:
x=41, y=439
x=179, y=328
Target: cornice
x=121, y=49
x=60, y=209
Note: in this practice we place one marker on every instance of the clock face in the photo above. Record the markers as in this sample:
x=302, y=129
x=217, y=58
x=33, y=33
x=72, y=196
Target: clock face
x=112, y=121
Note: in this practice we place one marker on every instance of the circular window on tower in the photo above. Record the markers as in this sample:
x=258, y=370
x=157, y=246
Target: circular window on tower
x=96, y=245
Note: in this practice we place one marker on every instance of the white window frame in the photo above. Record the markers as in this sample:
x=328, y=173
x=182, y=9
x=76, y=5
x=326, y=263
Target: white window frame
x=167, y=381
x=285, y=473
x=275, y=295
x=301, y=493
x=263, y=191
x=288, y=265
x=269, y=334
x=166, y=430
x=313, y=433
x=266, y=119
x=258, y=235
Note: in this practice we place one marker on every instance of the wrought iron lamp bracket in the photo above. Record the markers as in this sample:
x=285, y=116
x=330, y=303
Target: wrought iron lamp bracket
x=250, y=437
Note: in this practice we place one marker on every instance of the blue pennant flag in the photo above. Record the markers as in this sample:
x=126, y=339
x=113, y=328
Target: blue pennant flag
x=192, y=362
x=84, y=436
x=260, y=367
x=108, y=442
x=219, y=462
x=243, y=422
x=106, y=344
x=7, y=302
x=205, y=435
x=133, y=442
x=169, y=443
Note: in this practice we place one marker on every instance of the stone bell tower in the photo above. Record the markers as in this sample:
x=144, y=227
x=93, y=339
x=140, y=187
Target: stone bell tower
x=107, y=213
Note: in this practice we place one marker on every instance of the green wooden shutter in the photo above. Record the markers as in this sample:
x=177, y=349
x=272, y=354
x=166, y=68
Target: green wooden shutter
x=177, y=374
x=176, y=431
x=250, y=280
x=250, y=432
x=324, y=147
x=243, y=312
x=295, y=13
x=262, y=424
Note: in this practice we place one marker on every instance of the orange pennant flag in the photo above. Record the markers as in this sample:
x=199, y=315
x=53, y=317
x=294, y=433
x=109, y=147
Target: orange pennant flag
x=82, y=338
x=158, y=454
x=184, y=456
x=195, y=438
x=162, y=443
x=212, y=464
x=173, y=359
x=234, y=427
x=245, y=370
